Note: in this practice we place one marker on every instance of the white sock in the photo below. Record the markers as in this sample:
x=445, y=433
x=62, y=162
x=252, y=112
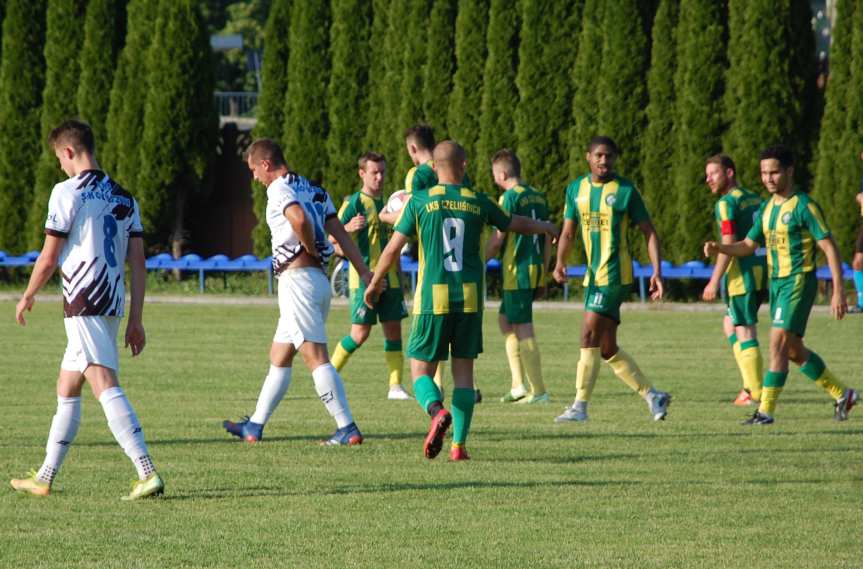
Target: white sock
x=331, y=390
x=64, y=427
x=275, y=386
x=127, y=430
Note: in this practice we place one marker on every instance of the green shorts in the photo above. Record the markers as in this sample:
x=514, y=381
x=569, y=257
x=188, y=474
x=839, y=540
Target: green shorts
x=433, y=336
x=390, y=306
x=791, y=300
x=606, y=300
x=517, y=306
x=743, y=308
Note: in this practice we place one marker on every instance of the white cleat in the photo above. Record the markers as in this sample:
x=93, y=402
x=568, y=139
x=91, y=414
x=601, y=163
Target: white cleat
x=658, y=402
x=398, y=393
x=576, y=412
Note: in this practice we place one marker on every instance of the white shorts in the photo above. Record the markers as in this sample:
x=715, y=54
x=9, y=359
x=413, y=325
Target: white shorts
x=91, y=340
x=304, y=303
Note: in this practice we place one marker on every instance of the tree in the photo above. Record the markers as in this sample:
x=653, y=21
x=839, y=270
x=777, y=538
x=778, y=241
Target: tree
x=65, y=18
x=347, y=95
x=439, y=64
x=22, y=78
x=389, y=130
x=585, y=98
x=465, y=101
x=698, y=85
x=377, y=78
x=180, y=121
x=803, y=62
x=248, y=18
x=499, y=90
x=306, y=123
x=621, y=82
x=271, y=106
x=413, y=64
x=659, y=141
x=545, y=89
x=125, y=124
x=104, y=34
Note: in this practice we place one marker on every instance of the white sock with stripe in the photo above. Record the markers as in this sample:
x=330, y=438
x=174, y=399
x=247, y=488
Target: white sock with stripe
x=127, y=430
x=64, y=427
x=331, y=390
x=275, y=386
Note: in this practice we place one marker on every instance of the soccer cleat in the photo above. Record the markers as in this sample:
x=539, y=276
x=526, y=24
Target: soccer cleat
x=349, y=435
x=844, y=405
x=477, y=396
x=150, y=486
x=514, y=395
x=32, y=485
x=398, y=393
x=540, y=399
x=245, y=429
x=744, y=398
x=658, y=405
x=758, y=418
x=437, y=430
x=575, y=412
x=457, y=453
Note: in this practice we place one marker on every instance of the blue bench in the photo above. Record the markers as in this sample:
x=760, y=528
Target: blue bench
x=218, y=263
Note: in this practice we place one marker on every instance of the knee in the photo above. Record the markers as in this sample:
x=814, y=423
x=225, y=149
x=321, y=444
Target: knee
x=857, y=263
x=360, y=335
x=589, y=338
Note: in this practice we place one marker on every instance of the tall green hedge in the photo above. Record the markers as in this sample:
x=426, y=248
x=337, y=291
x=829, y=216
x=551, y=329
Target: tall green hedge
x=389, y=130
x=698, y=85
x=585, y=98
x=177, y=145
x=803, y=63
x=375, y=128
x=347, y=99
x=410, y=107
x=439, y=65
x=22, y=78
x=306, y=123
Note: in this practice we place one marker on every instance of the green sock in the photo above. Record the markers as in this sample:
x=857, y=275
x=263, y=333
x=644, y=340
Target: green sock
x=426, y=392
x=392, y=345
x=732, y=339
x=348, y=344
x=813, y=367
x=463, y=401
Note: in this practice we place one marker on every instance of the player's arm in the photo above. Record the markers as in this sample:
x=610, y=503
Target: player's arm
x=564, y=244
x=722, y=262
x=492, y=246
x=42, y=271
x=389, y=217
x=654, y=253
x=302, y=226
x=838, y=304
x=530, y=226
x=542, y=289
x=743, y=248
x=335, y=228
x=389, y=256
x=135, y=336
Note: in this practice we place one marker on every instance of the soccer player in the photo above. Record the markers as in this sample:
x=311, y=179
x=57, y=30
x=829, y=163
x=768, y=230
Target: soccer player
x=790, y=224
x=93, y=228
x=524, y=267
x=300, y=215
x=359, y=214
x=857, y=262
x=604, y=206
x=745, y=277
x=447, y=221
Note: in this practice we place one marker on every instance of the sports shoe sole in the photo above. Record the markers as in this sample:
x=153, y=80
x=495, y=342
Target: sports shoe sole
x=437, y=431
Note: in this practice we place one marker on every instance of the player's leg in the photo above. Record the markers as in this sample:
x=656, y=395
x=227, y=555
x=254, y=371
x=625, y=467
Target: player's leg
x=728, y=328
x=774, y=379
x=510, y=343
x=587, y=368
x=750, y=362
x=428, y=344
x=392, y=330
x=520, y=316
x=465, y=345
x=816, y=370
x=331, y=391
x=362, y=320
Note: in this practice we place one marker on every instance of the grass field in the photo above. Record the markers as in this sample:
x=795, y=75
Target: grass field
x=697, y=490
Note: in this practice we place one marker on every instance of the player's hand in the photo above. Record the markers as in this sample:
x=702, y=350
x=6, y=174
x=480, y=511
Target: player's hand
x=711, y=248
x=657, y=289
x=559, y=273
x=552, y=230
x=356, y=223
x=26, y=303
x=710, y=291
x=370, y=298
x=135, y=337
x=367, y=277
x=838, y=305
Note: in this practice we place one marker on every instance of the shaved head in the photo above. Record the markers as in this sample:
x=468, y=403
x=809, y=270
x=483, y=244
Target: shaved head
x=449, y=162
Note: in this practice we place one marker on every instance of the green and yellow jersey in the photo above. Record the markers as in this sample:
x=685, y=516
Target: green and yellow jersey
x=735, y=214
x=789, y=229
x=605, y=213
x=523, y=261
x=448, y=221
x=423, y=177
x=371, y=239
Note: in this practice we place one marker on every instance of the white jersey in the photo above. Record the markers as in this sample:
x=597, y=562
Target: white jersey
x=294, y=189
x=96, y=217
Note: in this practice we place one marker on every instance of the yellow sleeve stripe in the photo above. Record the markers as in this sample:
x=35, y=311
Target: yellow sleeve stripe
x=723, y=211
x=819, y=219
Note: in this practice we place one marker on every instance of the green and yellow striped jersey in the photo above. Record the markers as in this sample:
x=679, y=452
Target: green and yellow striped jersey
x=605, y=214
x=448, y=222
x=789, y=230
x=523, y=262
x=371, y=239
x=735, y=213
x=422, y=177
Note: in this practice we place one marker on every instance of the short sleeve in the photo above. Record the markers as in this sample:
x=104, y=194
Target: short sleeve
x=406, y=224
x=756, y=232
x=136, y=229
x=506, y=202
x=494, y=213
x=348, y=210
x=725, y=218
x=62, y=207
x=636, y=209
x=285, y=196
x=813, y=218
x=569, y=210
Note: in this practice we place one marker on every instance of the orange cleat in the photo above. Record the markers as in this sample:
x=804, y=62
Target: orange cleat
x=437, y=430
x=744, y=399
x=457, y=453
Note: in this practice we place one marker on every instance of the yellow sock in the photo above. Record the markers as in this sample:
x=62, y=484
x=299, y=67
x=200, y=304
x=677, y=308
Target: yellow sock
x=751, y=366
x=531, y=363
x=769, y=396
x=395, y=363
x=340, y=357
x=627, y=370
x=438, y=376
x=511, y=344
x=586, y=372
x=831, y=384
